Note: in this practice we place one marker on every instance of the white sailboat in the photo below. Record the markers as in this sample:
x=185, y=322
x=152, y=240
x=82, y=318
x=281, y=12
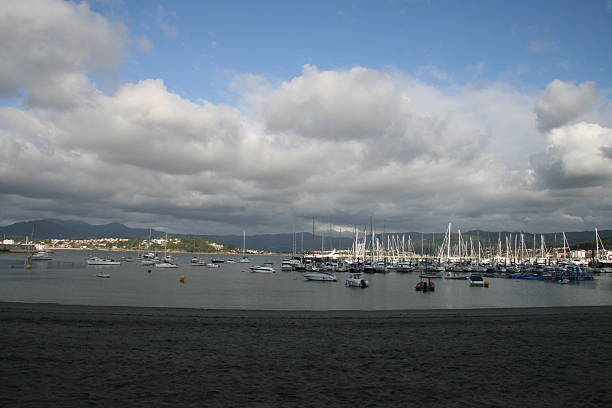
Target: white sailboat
x=167, y=261
x=244, y=259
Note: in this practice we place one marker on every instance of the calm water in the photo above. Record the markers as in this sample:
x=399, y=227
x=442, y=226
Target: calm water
x=68, y=280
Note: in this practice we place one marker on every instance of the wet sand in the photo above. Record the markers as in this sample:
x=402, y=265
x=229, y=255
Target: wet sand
x=77, y=356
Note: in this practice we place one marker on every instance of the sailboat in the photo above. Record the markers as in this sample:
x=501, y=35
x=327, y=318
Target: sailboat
x=244, y=259
x=167, y=261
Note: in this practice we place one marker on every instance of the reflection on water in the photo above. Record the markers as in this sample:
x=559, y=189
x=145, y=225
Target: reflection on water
x=67, y=279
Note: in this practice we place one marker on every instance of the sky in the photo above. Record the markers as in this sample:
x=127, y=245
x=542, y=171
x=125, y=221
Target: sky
x=205, y=117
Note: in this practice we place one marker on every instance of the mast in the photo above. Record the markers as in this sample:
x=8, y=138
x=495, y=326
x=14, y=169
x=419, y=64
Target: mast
x=448, y=245
x=597, y=244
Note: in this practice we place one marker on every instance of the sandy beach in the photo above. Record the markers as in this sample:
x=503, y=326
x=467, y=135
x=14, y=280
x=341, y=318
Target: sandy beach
x=75, y=356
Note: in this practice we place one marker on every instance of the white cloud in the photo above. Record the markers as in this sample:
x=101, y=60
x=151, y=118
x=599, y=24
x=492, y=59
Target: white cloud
x=577, y=157
x=563, y=102
x=46, y=45
x=538, y=47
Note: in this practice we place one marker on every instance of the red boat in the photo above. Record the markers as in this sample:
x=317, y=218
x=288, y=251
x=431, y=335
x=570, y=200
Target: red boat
x=424, y=286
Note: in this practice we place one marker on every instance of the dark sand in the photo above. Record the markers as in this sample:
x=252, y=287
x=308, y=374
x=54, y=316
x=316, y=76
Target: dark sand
x=79, y=356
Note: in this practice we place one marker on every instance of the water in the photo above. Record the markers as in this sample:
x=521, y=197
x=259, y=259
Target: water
x=68, y=280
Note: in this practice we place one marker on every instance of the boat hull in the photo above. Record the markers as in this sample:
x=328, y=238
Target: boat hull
x=321, y=277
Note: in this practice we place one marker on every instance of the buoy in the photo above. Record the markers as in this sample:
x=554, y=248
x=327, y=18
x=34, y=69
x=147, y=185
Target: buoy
x=149, y=271
x=28, y=266
x=486, y=284
x=182, y=278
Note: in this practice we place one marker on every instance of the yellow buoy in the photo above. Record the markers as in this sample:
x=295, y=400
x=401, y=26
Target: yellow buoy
x=28, y=266
x=486, y=284
x=182, y=278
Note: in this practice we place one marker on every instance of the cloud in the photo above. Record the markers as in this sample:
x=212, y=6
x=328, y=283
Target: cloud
x=577, y=156
x=143, y=43
x=539, y=47
x=46, y=46
x=563, y=102
x=161, y=21
x=340, y=145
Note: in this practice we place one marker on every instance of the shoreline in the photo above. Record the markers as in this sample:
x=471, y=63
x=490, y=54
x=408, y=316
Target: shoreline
x=71, y=356
x=46, y=307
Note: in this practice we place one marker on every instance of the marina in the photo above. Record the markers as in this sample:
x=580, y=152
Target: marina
x=67, y=279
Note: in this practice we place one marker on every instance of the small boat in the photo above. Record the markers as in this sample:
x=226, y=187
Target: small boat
x=167, y=261
x=149, y=259
x=41, y=256
x=320, y=276
x=455, y=275
x=217, y=260
x=195, y=261
x=564, y=281
x=264, y=268
x=230, y=261
x=97, y=261
x=244, y=259
x=212, y=265
x=355, y=281
x=425, y=286
x=103, y=275
x=476, y=279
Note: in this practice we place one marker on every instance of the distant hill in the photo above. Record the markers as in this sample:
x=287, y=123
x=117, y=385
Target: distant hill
x=67, y=229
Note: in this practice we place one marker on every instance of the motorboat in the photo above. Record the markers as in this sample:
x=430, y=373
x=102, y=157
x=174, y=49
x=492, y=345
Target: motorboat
x=166, y=264
x=217, y=260
x=97, y=261
x=320, y=276
x=455, y=275
x=230, y=261
x=244, y=259
x=212, y=265
x=404, y=267
x=425, y=286
x=264, y=268
x=149, y=259
x=286, y=265
x=431, y=274
x=476, y=279
x=41, y=256
x=195, y=261
x=355, y=281
x=103, y=275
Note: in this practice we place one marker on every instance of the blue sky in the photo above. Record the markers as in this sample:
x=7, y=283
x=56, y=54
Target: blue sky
x=218, y=117
x=198, y=46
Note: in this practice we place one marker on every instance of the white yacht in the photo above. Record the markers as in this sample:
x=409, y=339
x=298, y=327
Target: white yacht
x=97, y=261
x=476, y=279
x=166, y=264
x=320, y=276
x=195, y=261
x=41, y=256
x=355, y=281
x=265, y=268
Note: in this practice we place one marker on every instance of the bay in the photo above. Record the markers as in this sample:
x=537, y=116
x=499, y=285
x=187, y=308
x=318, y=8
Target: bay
x=68, y=280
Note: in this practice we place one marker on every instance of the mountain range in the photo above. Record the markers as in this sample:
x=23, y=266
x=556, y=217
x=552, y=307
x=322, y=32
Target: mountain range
x=282, y=242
